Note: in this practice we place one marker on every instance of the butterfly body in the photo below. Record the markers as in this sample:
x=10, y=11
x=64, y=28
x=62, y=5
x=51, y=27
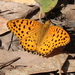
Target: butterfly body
x=37, y=37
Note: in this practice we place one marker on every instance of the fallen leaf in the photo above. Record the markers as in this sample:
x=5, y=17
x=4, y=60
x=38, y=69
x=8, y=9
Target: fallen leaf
x=3, y=27
x=28, y=2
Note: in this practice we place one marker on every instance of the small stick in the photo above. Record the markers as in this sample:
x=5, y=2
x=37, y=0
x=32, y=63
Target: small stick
x=9, y=63
x=11, y=42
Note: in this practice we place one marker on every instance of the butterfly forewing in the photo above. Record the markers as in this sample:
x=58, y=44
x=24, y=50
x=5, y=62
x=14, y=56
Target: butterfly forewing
x=59, y=36
x=23, y=27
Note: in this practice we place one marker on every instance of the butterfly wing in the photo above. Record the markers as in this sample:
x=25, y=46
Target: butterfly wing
x=54, y=37
x=24, y=27
x=28, y=32
x=30, y=43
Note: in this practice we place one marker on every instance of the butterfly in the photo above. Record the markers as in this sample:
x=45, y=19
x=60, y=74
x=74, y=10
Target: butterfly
x=37, y=37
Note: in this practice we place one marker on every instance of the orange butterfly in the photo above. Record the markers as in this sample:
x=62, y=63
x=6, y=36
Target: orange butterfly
x=37, y=37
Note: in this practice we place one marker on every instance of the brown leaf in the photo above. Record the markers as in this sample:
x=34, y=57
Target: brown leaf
x=3, y=27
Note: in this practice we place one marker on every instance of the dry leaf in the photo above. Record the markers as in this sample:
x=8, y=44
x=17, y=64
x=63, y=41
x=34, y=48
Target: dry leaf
x=12, y=10
x=3, y=27
x=34, y=63
x=69, y=11
x=28, y=2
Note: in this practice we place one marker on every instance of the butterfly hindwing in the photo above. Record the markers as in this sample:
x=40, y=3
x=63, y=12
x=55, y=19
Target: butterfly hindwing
x=30, y=43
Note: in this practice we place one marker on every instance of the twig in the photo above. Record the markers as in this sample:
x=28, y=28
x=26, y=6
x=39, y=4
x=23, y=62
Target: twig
x=11, y=41
x=9, y=63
